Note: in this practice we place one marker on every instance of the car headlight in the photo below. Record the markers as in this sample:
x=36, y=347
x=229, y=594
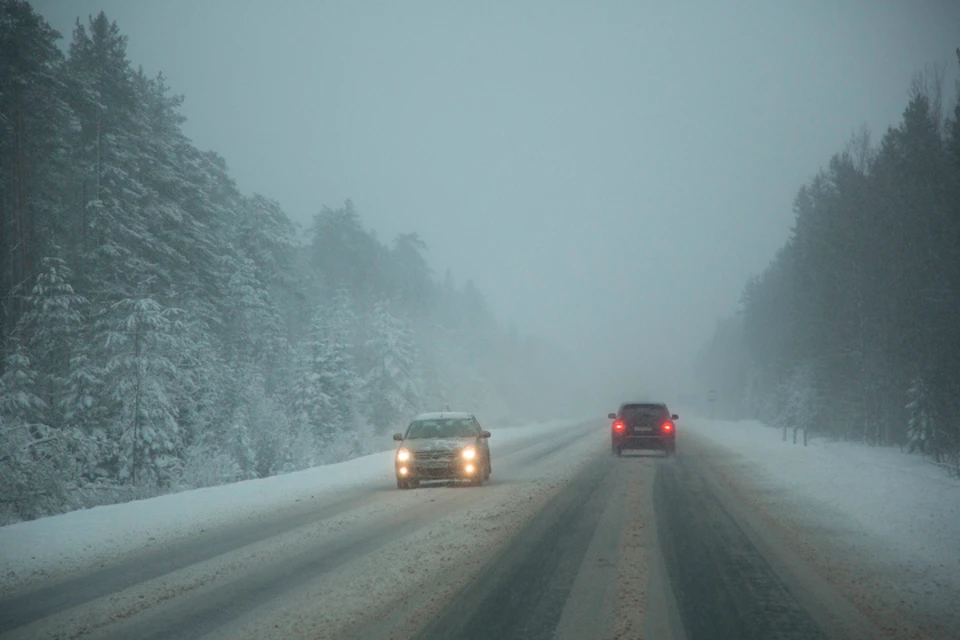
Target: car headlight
x=403, y=455
x=469, y=453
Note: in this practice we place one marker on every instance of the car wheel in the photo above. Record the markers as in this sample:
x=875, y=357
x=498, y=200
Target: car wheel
x=487, y=471
x=401, y=484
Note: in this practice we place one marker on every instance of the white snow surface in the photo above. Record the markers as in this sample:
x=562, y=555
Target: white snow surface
x=901, y=502
x=63, y=543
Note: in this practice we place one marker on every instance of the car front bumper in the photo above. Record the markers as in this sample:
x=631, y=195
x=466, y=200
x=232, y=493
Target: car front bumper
x=452, y=469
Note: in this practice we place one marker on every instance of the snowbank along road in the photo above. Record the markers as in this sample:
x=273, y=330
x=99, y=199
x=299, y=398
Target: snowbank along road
x=565, y=541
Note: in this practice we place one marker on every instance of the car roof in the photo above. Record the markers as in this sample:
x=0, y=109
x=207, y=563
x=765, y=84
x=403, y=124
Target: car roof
x=644, y=404
x=437, y=415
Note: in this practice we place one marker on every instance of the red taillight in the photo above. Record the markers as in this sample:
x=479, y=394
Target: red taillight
x=668, y=427
x=618, y=425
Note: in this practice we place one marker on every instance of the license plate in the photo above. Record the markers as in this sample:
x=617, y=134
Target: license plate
x=434, y=464
x=642, y=429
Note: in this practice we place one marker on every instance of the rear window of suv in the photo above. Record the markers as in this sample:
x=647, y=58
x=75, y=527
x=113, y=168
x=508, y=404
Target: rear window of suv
x=639, y=411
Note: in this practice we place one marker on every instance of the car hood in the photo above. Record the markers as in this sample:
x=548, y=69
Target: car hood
x=437, y=444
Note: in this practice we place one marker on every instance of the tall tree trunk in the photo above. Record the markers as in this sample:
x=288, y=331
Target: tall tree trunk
x=83, y=216
x=21, y=228
x=6, y=268
x=136, y=406
x=99, y=143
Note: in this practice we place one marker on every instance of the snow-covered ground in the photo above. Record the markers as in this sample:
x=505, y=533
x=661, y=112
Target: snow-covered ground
x=879, y=522
x=71, y=541
x=900, y=498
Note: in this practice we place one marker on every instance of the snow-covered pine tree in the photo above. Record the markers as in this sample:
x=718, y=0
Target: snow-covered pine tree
x=50, y=328
x=253, y=328
x=113, y=230
x=437, y=383
x=34, y=122
x=239, y=444
x=347, y=255
x=921, y=419
x=183, y=227
x=800, y=404
x=340, y=326
x=31, y=453
x=391, y=391
x=409, y=272
x=141, y=373
x=327, y=385
x=344, y=383
x=265, y=234
x=267, y=428
x=310, y=403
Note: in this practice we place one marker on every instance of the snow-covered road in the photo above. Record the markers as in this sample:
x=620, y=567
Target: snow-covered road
x=218, y=560
x=57, y=546
x=738, y=536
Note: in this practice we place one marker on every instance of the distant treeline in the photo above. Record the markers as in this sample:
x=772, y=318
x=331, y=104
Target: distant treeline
x=853, y=330
x=161, y=330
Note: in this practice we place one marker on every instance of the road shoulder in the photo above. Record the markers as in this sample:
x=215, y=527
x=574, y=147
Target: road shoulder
x=824, y=561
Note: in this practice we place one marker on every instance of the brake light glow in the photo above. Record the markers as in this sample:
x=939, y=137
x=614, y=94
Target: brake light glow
x=668, y=426
x=618, y=425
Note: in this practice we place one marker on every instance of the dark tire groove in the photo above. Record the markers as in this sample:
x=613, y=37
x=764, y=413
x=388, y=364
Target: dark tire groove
x=523, y=591
x=723, y=585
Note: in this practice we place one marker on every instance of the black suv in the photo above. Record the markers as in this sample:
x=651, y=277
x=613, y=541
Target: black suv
x=643, y=425
x=442, y=446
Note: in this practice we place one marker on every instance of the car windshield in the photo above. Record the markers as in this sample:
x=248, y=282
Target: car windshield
x=441, y=428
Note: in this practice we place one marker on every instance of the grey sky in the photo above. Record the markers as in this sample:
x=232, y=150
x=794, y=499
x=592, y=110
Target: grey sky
x=608, y=173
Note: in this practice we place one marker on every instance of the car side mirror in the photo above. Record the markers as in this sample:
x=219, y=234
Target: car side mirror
x=611, y=416
x=484, y=434
x=674, y=417
x=398, y=437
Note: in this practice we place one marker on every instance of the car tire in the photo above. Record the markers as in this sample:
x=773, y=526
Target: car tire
x=402, y=484
x=617, y=451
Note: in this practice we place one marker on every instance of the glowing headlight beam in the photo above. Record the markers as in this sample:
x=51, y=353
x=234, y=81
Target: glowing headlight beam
x=469, y=453
x=403, y=455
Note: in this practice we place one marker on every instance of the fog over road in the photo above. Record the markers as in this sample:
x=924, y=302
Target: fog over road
x=565, y=541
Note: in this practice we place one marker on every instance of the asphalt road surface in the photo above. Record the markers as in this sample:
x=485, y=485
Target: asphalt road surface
x=565, y=541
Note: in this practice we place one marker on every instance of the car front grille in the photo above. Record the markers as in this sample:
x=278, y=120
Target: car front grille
x=433, y=456
x=435, y=464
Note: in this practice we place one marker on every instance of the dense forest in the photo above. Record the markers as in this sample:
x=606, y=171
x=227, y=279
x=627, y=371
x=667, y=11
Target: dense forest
x=160, y=330
x=853, y=330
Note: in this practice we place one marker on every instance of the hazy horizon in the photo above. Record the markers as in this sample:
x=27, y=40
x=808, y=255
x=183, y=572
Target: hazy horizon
x=609, y=176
